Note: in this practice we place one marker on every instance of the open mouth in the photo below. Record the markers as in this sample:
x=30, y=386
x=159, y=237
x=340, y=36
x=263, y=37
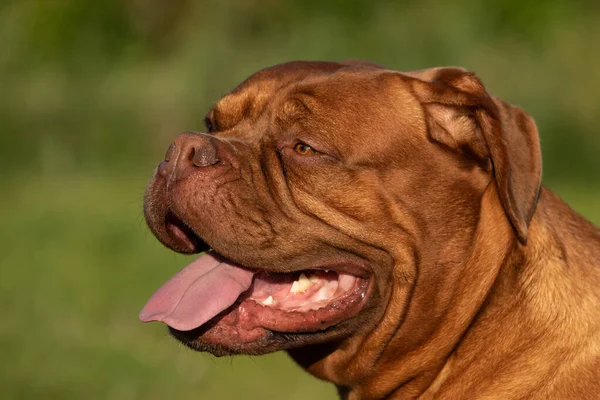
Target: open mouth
x=245, y=304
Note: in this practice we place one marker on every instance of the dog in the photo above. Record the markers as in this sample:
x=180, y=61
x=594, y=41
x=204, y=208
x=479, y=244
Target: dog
x=389, y=230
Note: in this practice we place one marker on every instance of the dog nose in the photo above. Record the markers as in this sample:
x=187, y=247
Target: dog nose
x=189, y=153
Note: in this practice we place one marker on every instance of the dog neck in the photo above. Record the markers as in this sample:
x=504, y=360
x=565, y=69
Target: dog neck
x=534, y=317
x=509, y=305
x=428, y=333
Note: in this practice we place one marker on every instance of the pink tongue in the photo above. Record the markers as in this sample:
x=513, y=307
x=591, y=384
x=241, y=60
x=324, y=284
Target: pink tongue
x=197, y=293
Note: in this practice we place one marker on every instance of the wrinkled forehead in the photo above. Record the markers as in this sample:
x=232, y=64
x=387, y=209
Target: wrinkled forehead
x=332, y=98
x=250, y=98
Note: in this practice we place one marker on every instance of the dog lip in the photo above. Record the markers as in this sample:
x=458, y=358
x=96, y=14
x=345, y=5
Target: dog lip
x=177, y=233
x=342, y=266
x=182, y=235
x=354, y=267
x=179, y=229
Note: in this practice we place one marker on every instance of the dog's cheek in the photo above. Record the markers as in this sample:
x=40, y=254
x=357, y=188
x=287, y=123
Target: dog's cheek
x=352, y=200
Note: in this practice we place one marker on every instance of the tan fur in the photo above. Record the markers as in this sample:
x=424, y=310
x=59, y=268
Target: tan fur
x=485, y=284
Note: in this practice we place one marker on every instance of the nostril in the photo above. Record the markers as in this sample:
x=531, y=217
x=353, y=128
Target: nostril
x=187, y=152
x=204, y=155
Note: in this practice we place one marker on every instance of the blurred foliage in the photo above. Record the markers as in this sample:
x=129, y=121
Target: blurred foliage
x=89, y=82
x=93, y=92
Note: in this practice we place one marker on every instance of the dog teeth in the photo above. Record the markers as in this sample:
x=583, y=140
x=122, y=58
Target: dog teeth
x=346, y=281
x=322, y=294
x=268, y=301
x=301, y=284
x=313, y=278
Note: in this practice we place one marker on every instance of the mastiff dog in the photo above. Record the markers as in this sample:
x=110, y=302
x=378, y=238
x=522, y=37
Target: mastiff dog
x=388, y=229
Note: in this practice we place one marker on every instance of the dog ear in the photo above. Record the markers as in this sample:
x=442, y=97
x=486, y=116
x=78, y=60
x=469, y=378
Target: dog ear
x=462, y=116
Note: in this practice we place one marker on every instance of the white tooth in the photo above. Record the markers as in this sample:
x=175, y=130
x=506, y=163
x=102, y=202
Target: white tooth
x=322, y=294
x=314, y=279
x=333, y=286
x=301, y=284
x=346, y=281
x=295, y=287
x=268, y=301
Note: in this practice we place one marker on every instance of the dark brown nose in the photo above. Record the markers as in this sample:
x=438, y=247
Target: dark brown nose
x=188, y=154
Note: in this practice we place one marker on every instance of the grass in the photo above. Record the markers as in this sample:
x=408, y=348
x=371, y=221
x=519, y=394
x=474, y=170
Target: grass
x=77, y=266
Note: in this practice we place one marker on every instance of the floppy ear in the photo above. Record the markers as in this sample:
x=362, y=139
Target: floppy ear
x=462, y=116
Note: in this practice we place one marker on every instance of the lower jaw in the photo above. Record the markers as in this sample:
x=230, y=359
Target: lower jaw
x=250, y=328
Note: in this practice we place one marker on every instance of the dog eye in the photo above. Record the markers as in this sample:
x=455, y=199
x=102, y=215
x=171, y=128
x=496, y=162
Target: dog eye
x=304, y=149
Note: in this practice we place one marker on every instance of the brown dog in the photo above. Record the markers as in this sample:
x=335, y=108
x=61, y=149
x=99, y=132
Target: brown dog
x=387, y=229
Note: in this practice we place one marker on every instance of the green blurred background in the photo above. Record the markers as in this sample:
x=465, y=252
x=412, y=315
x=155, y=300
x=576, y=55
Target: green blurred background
x=92, y=93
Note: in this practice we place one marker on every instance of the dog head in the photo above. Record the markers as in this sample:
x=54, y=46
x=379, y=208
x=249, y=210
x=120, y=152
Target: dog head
x=341, y=204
